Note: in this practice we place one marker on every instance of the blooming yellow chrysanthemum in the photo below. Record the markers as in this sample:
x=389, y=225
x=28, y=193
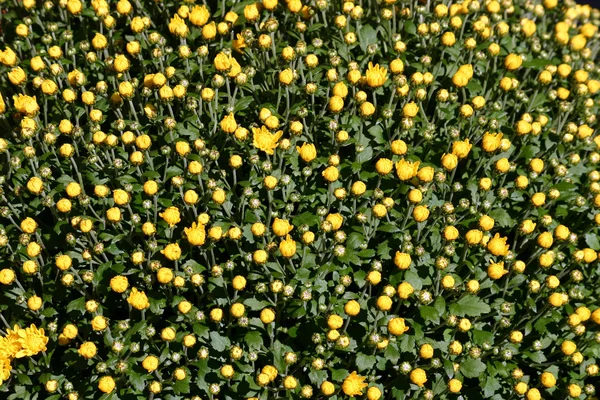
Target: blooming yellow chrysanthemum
x=33, y=341
x=265, y=140
x=376, y=75
x=354, y=384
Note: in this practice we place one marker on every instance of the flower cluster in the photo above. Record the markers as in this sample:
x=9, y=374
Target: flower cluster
x=301, y=199
x=19, y=343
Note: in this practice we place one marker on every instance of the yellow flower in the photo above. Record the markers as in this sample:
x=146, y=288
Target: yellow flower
x=5, y=369
x=460, y=79
x=307, y=152
x=461, y=149
x=384, y=166
x=496, y=270
x=497, y=245
x=121, y=63
x=354, y=384
x=239, y=43
x=281, y=227
x=418, y=377
x=352, y=308
x=26, y=104
x=420, y=213
x=265, y=140
x=376, y=75
x=454, y=385
x=287, y=247
x=172, y=251
x=449, y=161
x=7, y=276
x=106, y=384
x=405, y=289
x=32, y=341
x=491, y=141
x=171, y=216
x=402, y=260
x=410, y=110
x=228, y=124
x=196, y=234
x=336, y=103
x=396, y=326
x=178, y=27
x=199, y=15
x=327, y=388
x=119, y=284
x=10, y=344
x=513, y=62
x=138, y=300
x=331, y=174
x=407, y=170
x=222, y=62
x=374, y=393
x=336, y=220
x=267, y=316
x=87, y=350
x=548, y=380
x=286, y=76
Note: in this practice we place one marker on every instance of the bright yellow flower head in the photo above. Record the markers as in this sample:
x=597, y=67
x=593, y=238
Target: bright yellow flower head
x=264, y=140
x=178, y=27
x=32, y=341
x=407, y=170
x=376, y=75
x=196, y=234
x=354, y=384
x=138, y=300
x=26, y=104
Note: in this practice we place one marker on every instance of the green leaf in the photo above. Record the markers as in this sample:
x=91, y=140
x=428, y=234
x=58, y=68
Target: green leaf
x=254, y=304
x=365, y=155
x=529, y=151
x=365, y=362
x=480, y=337
x=491, y=385
x=537, y=63
x=137, y=380
x=410, y=27
x=24, y=379
x=414, y=279
x=440, y=305
x=307, y=218
x=471, y=306
x=592, y=241
x=339, y=374
x=429, y=314
x=218, y=342
x=77, y=305
x=537, y=356
x=243, y=103
x=201, y=330
x=391, y=353
x=253, y=340
x=182, y=386
x=472, y=368
x=501, y=217
x=368, y=36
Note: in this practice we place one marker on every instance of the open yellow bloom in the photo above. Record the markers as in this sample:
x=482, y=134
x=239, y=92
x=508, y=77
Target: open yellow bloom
x=26, y=104
x=178, y=27
x=196, y=234
x=265, y=140
x=354, y=384
x=32, y=341
x=138, y=300
x=407, y=170
x=376, y=75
